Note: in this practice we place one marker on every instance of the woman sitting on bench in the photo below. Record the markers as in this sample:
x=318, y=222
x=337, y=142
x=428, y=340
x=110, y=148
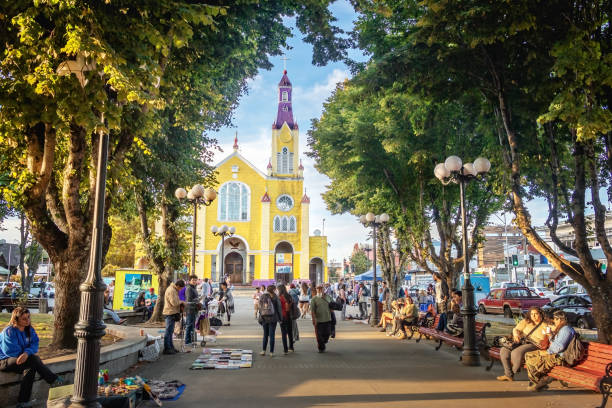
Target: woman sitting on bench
x=407, y=316
x=455, y=326
x=387, y=317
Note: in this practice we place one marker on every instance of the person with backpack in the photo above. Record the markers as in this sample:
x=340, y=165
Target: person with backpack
x=269, y=316
x=286, y=318
x=540, y=362
x=362, y=299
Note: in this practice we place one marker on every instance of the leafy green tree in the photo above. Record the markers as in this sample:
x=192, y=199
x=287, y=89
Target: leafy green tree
x=360, y=261
x=68, y=72
x=543, y=69
x=379, y=146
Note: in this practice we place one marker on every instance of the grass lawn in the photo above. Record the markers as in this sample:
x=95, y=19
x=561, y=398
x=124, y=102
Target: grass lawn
x=43, y=324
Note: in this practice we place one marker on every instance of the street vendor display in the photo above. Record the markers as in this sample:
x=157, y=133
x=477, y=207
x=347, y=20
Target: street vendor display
x=228, y=359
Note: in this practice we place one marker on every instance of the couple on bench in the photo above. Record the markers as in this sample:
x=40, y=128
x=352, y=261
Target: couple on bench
x=403, y=313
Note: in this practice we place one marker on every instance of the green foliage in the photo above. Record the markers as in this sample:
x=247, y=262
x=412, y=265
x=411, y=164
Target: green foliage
x=361, y=262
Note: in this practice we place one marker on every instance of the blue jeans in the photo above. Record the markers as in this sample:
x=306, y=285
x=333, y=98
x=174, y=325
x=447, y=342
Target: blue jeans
x=442, y=322
x=168, y=345
x=269, y=329
x=113, y=315
x=189, y=327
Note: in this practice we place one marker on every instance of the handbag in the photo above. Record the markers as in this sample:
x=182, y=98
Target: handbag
x=511, y=345
x=333, y=305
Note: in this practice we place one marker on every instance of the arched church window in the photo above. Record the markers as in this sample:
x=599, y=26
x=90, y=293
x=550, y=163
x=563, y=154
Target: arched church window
x=277, y=224
x=284, y=224
x=234, y=202
x=285, y=96
x=292, y=227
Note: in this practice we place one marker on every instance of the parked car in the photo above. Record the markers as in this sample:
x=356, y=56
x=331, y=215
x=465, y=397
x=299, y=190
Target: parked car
x=577, y=307
x=504, y=285
x=542, y=291
x=510, y=301
x=568, y=290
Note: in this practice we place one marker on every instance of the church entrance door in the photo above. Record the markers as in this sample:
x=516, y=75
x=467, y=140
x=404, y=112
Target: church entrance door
x=316, y=270
x=234, y=267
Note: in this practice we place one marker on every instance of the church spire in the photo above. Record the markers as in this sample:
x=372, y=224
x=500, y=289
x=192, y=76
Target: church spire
x=236, y=141
x=285, y=110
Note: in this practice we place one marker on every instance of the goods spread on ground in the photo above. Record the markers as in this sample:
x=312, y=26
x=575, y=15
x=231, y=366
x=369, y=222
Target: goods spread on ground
x=228, y=359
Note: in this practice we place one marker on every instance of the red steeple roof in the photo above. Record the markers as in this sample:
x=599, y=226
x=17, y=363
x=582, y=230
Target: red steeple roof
x=236, y=141
x=265, y=198
x=305, y=199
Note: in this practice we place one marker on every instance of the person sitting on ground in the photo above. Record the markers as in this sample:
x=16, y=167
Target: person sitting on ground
x=140, y=306
x=528, y=335
x=18, y=348
x=108, y=309
x=540, y=362
x=407, y=316
x=388, y=316
x=455, y=326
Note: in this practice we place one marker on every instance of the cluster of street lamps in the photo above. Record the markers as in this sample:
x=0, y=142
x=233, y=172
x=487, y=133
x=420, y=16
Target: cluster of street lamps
x=374, y=221
x=455, y=171
x=197, y=195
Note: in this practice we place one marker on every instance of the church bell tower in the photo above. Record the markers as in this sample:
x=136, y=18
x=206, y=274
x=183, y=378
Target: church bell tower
x=285, y=135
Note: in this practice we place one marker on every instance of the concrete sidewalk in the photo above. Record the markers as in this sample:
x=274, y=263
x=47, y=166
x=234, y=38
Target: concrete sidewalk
x=362, y=368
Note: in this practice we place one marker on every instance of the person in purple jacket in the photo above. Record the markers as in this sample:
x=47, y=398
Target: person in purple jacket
x=18, y=348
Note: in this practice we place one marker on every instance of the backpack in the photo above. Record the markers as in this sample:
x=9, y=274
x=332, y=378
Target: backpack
x=266, y=307
x=574, y=352
x=295, y=311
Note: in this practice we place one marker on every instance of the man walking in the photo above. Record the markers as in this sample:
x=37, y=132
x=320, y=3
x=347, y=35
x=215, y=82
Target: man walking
x=363, y=296
x=206, y=289
x=191, y=309
x=321, y=317
x=172, y=313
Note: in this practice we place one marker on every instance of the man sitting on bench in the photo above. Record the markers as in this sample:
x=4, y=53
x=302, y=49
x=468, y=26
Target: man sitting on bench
x=455, y=326
x=407, y=316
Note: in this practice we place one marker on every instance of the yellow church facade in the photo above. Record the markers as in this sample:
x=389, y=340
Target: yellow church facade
x=269, y=211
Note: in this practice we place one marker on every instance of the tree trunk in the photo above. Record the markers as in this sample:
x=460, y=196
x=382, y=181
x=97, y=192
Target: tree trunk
x=157, y=315
x=70, y=272
x=602, y=313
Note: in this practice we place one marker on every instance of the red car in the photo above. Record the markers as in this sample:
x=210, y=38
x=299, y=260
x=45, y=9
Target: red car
x=510, y=301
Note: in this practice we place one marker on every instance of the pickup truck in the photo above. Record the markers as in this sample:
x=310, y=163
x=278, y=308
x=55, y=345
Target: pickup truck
x=510, y=301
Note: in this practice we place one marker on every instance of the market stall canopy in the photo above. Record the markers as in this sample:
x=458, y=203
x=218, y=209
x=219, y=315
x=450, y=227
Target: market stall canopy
x=369, y=275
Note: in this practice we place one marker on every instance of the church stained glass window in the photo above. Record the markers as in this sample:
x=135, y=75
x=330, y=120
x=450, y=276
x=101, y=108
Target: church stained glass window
x=234, y=202
x=284, y=224
x=292, y=224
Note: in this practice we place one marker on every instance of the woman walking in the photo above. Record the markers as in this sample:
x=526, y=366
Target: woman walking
x=286, y=321
x=269, y=316
x=304, y=300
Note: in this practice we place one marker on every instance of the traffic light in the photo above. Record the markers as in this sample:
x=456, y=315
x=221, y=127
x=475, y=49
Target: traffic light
x=515, y=260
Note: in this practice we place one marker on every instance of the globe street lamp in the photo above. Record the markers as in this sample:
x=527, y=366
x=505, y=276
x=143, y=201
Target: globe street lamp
x=197, y=195
x=223, y=232
x=454, y=170
x=374, y=221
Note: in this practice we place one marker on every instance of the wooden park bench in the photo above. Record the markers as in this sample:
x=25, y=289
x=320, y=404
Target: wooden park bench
x=8, y=303
x=594, y=372
x=428, y=331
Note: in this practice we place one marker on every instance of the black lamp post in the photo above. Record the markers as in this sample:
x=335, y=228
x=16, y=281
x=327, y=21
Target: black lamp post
x=197, y=195
x=223, y=232
x=90, y=327
x=374, y=221
x=454, y=170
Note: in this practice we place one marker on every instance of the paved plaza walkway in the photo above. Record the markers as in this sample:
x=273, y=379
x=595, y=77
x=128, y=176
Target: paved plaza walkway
x=362, y=368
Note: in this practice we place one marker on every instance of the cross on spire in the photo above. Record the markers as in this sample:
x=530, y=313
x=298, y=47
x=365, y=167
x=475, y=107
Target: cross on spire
x=285, y=59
